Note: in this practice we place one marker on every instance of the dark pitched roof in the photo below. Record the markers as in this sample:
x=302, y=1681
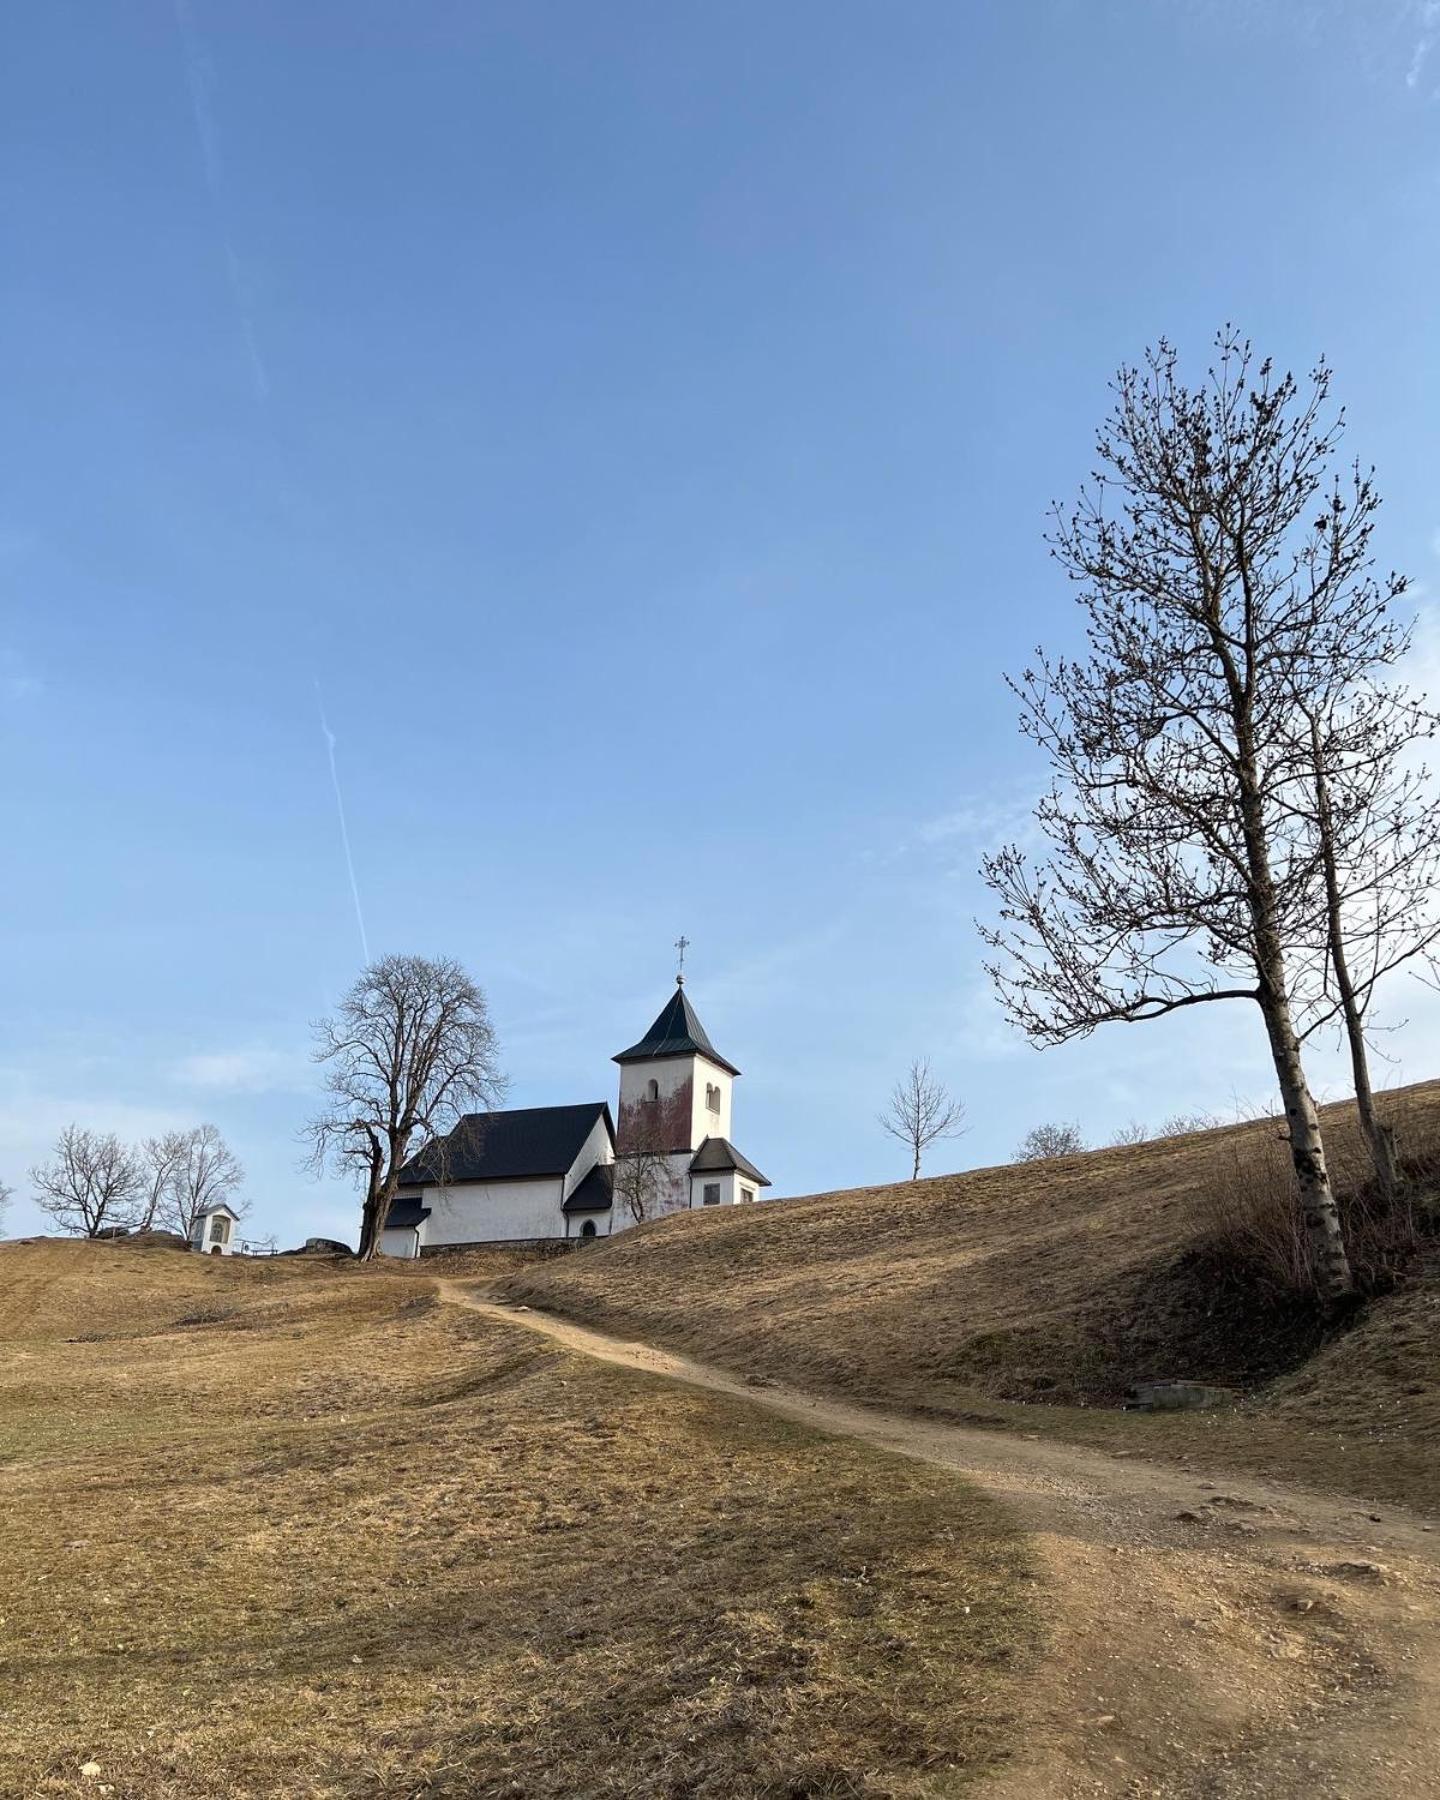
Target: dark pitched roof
x=717, y=1154
x=508, y=1146
x=677, y=1032
x=404, y=1210
x=596, y=1192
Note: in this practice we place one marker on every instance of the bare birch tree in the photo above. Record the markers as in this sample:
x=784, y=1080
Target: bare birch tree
x=410, y=1049
x=921, y=1112
x=205, y=1172
x=1376, y=832
x=94, y=1183
x=1213, y=596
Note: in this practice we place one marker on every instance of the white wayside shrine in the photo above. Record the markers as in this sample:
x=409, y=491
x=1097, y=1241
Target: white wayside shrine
x=214, y=1230
x=543, y=1172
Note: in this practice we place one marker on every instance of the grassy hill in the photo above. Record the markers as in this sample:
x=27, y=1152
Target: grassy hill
x=1035, y=1293
x=289, y=1529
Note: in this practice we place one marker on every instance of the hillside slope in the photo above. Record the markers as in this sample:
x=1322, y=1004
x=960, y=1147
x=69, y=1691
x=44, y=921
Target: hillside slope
x=1059, y=1282
x=296, y=1531
x=1246, y=1643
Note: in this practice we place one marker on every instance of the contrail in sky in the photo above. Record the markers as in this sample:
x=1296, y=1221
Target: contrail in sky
x=344, y=828
x=200, y=79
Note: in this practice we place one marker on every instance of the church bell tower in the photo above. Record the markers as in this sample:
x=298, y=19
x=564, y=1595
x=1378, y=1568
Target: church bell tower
x=675, y=1104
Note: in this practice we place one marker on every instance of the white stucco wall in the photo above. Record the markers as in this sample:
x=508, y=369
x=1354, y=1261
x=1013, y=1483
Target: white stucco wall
x=200, y=1237
x=724, y=1179
x=675, y=1198
x=501, y=1212
x=596, y=1149
x=400, y=1242
x=707, y=1123
x=671, y=1075
x=732, y=1184
x=673, y=1079
x=493, y=1212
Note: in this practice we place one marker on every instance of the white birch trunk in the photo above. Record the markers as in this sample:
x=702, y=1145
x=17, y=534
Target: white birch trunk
x=1318, y=1211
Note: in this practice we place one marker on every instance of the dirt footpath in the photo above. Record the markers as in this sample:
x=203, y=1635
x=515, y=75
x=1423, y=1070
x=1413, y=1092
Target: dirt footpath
x=1211, y=1635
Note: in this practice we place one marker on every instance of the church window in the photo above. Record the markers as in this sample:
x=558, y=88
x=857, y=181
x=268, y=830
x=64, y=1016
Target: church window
x=712, y=1096
x=746, y=1196
x=587, y=1230
x=652, y=1092
x=711, y=1195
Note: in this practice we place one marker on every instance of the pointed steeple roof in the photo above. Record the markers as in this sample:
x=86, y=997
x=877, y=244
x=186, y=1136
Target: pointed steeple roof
x=677, y=1032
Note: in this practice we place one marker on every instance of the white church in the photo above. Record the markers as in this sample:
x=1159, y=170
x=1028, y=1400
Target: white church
x=540, y=1172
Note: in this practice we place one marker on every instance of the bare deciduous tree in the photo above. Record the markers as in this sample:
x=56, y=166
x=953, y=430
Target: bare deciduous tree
x=95, y=1183
x=921, y=1112
x=1376, y=833
x=1041, y=1142
x=5, y=1195
x=204, y=1172
x=1177, y=1125
x=643, y=1178
x=1176, y=874
x=642, y=1183
x=409, y=1051
x=1185, y=1124
x=160, y=1159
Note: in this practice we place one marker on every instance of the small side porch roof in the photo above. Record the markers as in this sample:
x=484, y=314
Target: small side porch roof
x=717, y=1155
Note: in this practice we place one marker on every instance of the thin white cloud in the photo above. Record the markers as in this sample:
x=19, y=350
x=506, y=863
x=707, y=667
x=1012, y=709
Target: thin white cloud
x=964, y=831
x=981, y=822
x=200, y=84
x=253, y=1070
x=1426, y=15
x=1382, y=40
x=782, y=966
x=200, y=79
x=29, y=1125
x=979, y=1030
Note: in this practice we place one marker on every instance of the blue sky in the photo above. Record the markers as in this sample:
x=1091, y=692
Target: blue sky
x=639, y=420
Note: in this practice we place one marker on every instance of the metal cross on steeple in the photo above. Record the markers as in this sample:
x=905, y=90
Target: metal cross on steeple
x=682, y=944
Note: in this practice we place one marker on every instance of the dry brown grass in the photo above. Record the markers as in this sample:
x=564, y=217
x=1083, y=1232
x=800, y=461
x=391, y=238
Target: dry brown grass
x=286, y=1529
x=1062, y=1282
x=1250, y=1205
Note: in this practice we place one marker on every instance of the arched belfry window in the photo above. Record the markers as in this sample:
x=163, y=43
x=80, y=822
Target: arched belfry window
x=712, y=1096
x=652, y=1091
